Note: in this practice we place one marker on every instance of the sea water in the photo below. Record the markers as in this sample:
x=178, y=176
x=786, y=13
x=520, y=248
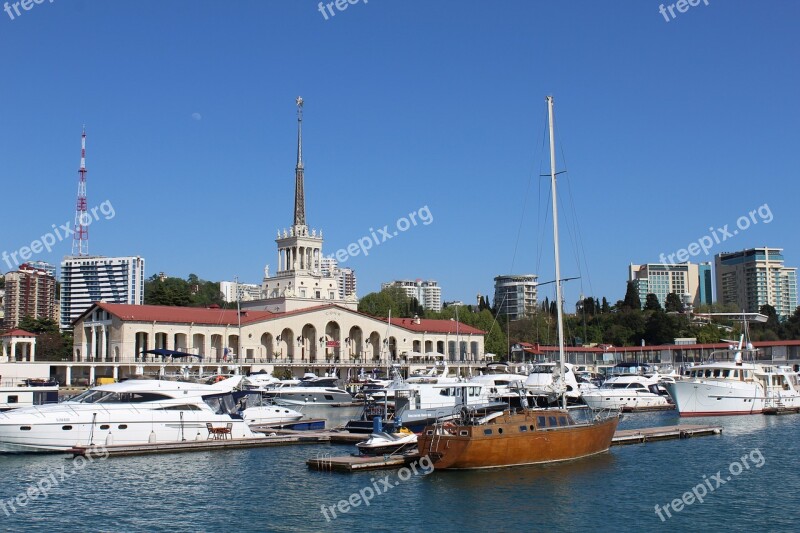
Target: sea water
x=271, y=489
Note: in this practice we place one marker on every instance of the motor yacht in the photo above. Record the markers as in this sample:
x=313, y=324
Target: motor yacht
x=629, y=392
x=26, y=392
x=129, y=412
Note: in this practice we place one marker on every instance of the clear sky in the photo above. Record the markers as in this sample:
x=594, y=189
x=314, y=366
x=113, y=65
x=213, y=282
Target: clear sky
x=667, y=128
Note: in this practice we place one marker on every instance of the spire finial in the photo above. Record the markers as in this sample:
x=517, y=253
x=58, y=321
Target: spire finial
x=299, y=193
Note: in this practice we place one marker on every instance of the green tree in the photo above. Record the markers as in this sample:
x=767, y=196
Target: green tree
x=605, y=308
x=631, y=301
x=673, y=303
x=651, y=303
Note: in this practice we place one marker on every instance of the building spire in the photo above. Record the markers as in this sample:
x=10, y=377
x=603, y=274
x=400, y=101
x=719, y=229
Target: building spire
x=299, y=193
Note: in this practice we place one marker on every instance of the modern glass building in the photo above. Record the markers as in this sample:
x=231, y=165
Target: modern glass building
x=756, y=277
x=515, y=296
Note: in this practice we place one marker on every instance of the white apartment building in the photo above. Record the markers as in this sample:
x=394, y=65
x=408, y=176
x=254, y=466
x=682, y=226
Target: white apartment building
x=246, y=291
x=88, y=279
x=515, y=295
x=428, y=293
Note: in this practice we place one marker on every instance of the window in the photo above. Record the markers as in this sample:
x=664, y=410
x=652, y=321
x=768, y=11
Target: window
x=105, y=426
x=66, y=428
x=25, y=428
x=487, y=431
x=541, y=421
x=562, y=420
x=523, y=428
x=552, y=421
x=122, y=426
x=13, y=399
x=329, y=397
x=500, y=430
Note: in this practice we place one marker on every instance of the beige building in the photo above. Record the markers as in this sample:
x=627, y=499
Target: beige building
x=29, y=292
x=316, y=336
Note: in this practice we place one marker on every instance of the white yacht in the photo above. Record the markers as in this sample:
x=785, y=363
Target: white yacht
x=311, y=390
x=130, y=412
x=628, y=392
x=735, y=388
x=26, y=392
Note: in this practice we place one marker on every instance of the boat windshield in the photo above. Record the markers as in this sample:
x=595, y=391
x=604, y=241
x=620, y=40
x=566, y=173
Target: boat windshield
x=97, y=396
x=222, y=405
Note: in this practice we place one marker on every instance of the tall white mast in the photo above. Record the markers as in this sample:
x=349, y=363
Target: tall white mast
x=559, y=297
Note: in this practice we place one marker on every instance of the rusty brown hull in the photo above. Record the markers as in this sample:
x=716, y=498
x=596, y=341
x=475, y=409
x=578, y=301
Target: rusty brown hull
x=503, y=442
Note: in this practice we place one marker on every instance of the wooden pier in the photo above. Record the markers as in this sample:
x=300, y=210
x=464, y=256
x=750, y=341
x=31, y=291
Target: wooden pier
x=198, y=445
x=637, y=436
x=781, y=410
x=355, y=463
x=670, y=407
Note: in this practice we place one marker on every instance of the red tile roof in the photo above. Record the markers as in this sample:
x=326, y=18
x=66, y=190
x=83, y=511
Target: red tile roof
x=18, y=333
x=181, y=315
x=429, y=325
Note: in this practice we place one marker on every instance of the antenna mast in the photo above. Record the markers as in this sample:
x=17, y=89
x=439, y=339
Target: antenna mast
x=80, y=237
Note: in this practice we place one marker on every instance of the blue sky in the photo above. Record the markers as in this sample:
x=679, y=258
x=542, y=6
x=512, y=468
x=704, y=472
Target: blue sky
x=667, y=129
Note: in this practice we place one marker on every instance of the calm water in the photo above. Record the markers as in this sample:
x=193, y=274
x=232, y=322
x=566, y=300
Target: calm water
x=270, y=489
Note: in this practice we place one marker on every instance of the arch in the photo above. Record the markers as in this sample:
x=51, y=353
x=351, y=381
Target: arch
x=416, y=346
x=462, y=351
x=309, y=347
x=233, y=347
x=440, y=347
x=355, y=341
x=161, y=341
x=428, y=346
x=375, y=345
x=286, y=344
x=216, y=347
x=333, y=333
x=474, y=350
x=140, y=344
x=451, y=350
x=179, y=342
x=267, y=346
x=116, y=354
x=392, y=348
x=199, y=344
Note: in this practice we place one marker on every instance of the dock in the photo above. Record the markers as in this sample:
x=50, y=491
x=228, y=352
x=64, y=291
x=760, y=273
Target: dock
x=781, y=410
x=670, y=407
x=115, y=450
x=355, y=463
x=642, y=435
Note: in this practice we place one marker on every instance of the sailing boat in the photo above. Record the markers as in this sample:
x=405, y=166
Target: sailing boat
x=526, y=436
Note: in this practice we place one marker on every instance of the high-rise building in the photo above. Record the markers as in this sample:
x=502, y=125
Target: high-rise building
x=756, y=277
x=43, y=265
x=428, y=293
x=30, y=292
x=89, y=279
x=246, y=291
x=515, y=296
x=690, y=281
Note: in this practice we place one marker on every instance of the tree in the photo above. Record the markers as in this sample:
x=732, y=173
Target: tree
x=632, y=300
x=651, y=303
x=392, y=299
x=605, y=308
x=51, y=344
x=673, y=303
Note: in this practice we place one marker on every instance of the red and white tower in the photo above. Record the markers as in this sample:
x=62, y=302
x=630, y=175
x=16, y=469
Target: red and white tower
x=80, y=238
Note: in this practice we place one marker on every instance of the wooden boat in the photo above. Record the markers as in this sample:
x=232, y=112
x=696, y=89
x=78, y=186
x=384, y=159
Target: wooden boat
x=529, y=436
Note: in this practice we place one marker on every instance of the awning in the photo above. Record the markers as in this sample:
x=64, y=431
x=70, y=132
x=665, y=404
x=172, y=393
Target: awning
x=171, y=353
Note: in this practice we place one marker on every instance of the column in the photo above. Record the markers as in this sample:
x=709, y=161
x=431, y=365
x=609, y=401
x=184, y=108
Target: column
x=94, y=345
x=279, y=261
x=116, y=373
x=13, y=351
x=33, y=350
x=91, y=376
x=5, y=354
x=68, y=377
x=103, y=343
